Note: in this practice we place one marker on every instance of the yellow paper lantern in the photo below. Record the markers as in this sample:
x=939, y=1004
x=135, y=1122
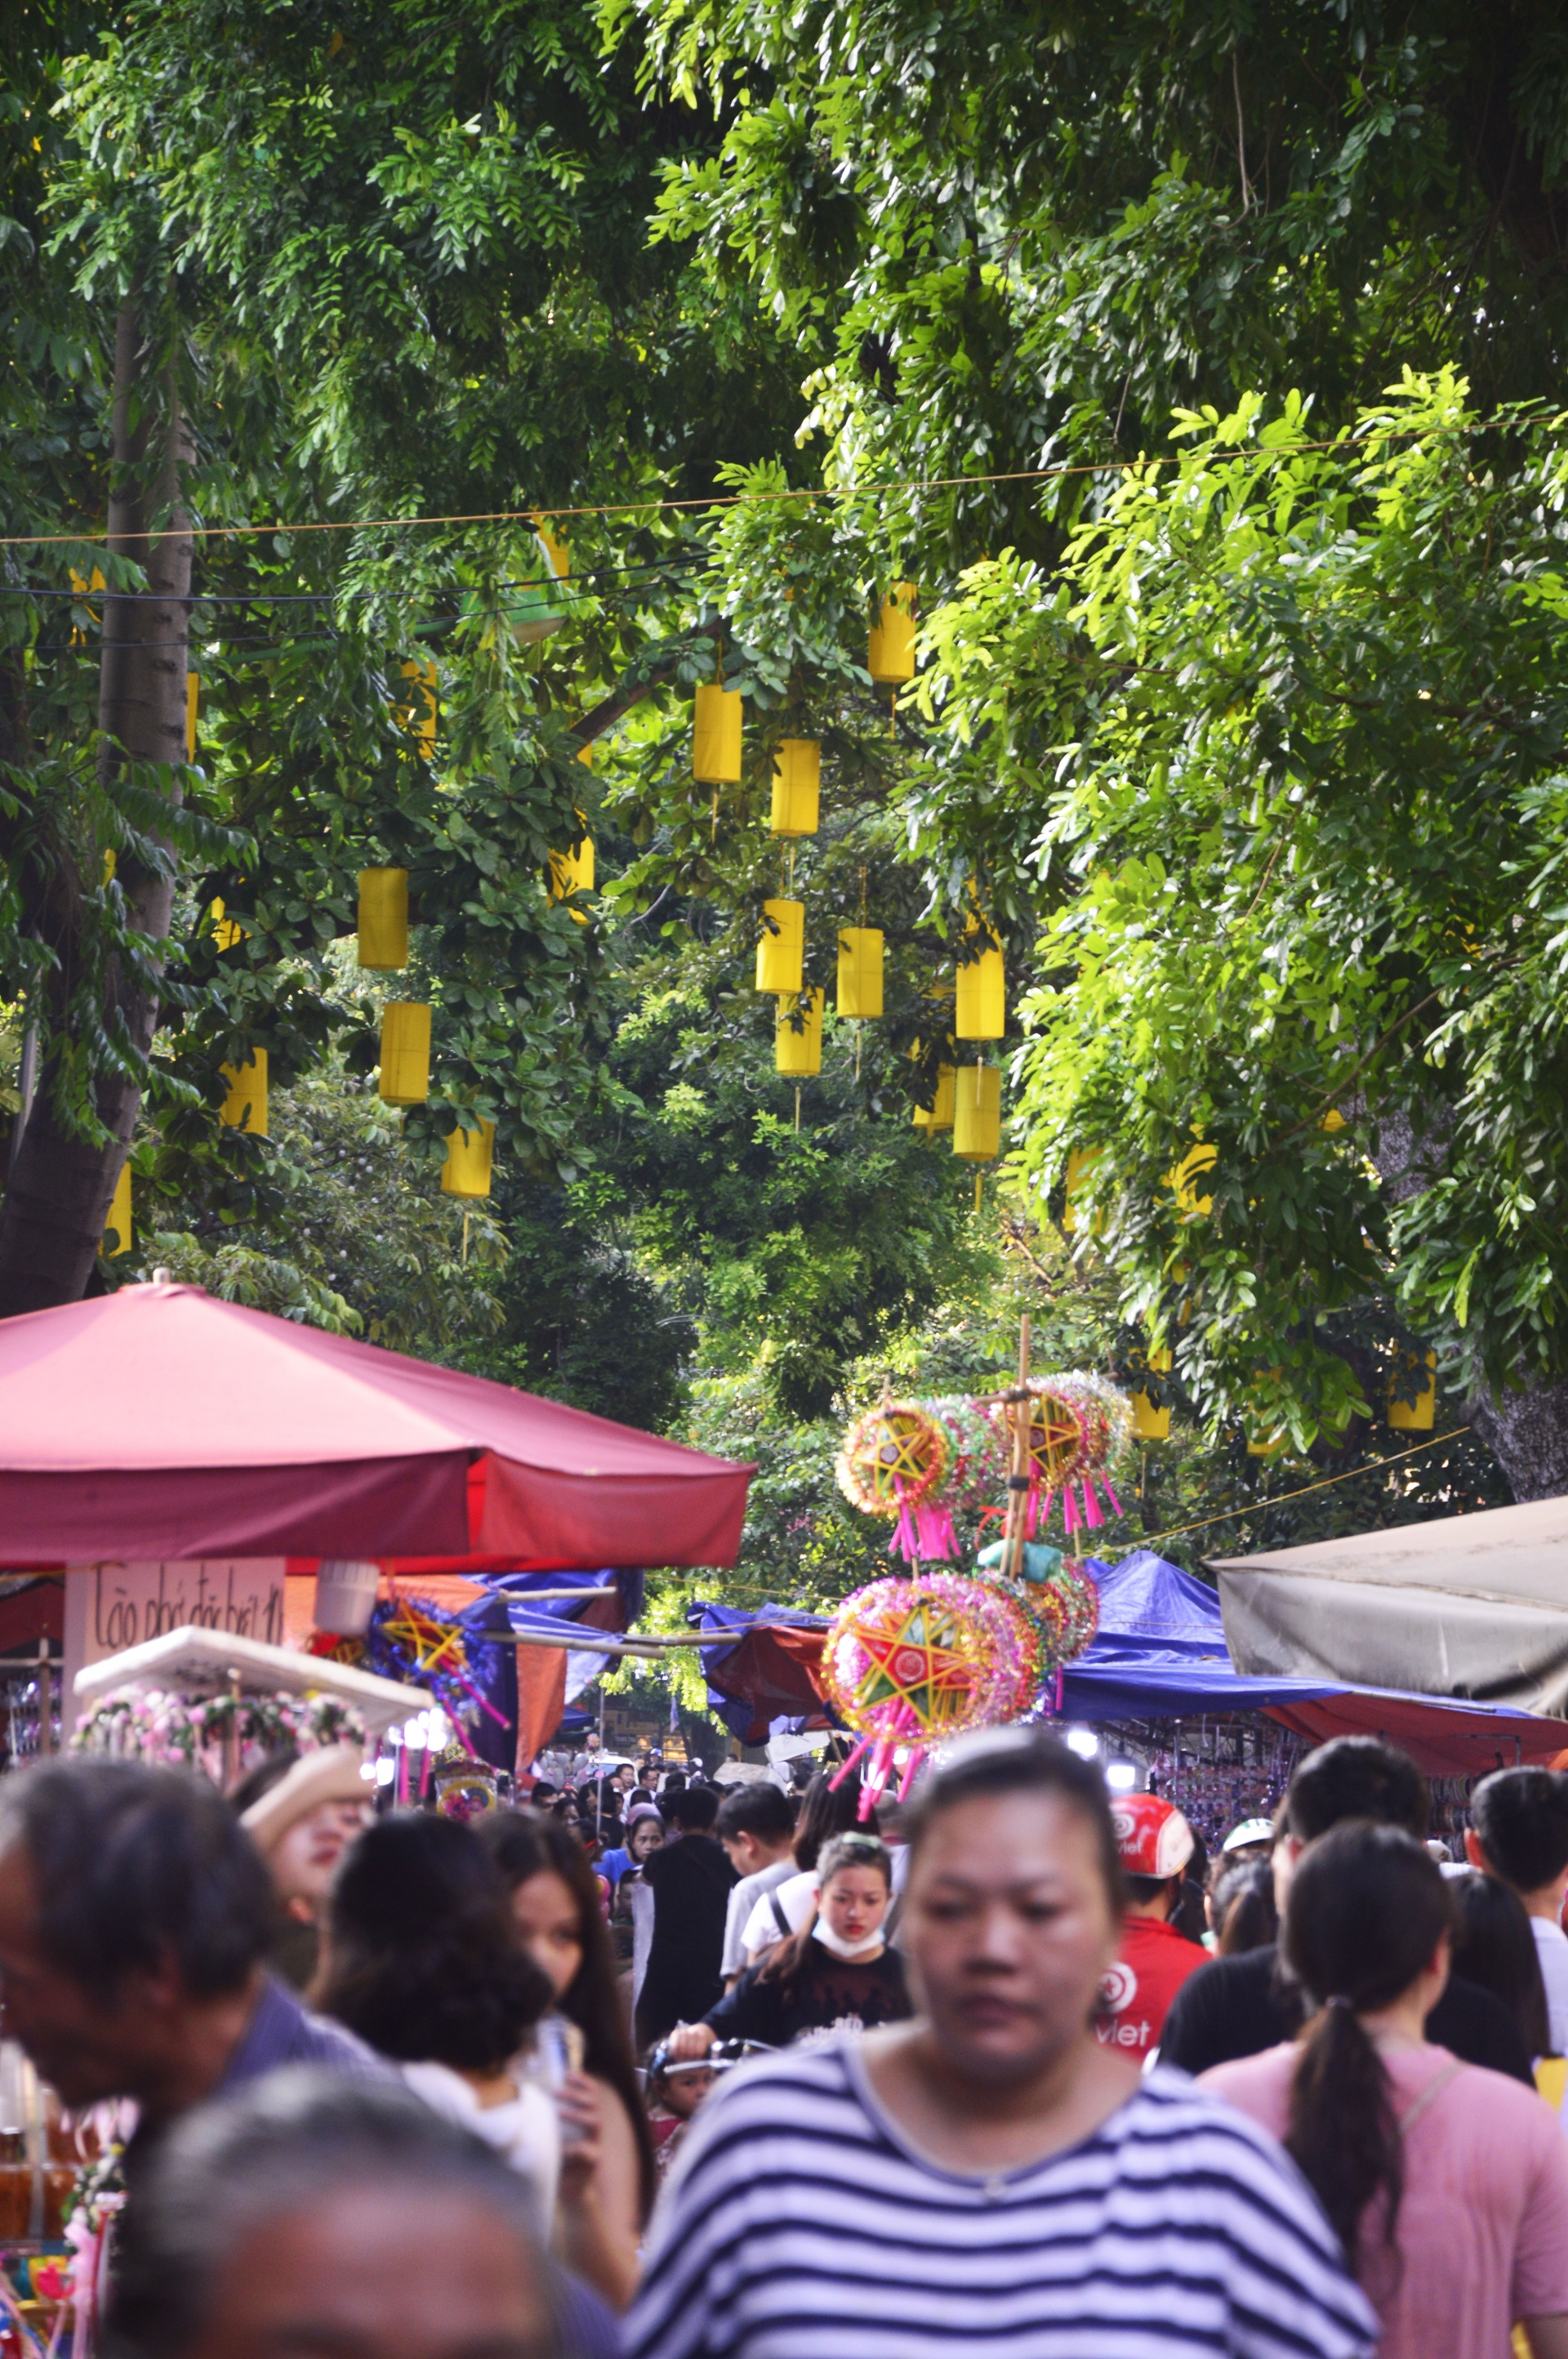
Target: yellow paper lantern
x=420, y=715
x=1420, y=1415
x=244, y=1108
x=890, y=657
x=981, y=1011
x=977, y=1112
x=572, y=872
x=192, y=697
x=1081, y=1160
x=384, y=919
x=939, y=1116
x=1195, y=1160
x=404, y=1054
x=716, y=736
x=860, y=970
x=118, y=1224
x=470, y=1153
x=781, y=951
x=797, y=786
x=1149, y=1423
x=226, y=932
x=798, y=1052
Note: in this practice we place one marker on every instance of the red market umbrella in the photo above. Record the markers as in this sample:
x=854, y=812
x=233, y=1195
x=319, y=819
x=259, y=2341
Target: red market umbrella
x=160, y=1423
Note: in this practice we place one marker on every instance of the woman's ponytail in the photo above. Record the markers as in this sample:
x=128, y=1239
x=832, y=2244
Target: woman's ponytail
x=1367, y=1907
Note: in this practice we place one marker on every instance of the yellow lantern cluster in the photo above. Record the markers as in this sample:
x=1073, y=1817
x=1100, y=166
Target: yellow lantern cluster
x=977, y=1112
x=405, y=1077
x=860, y=970
x=781, y=947
x=939, y=1115
x=384, y=919
x=419, y=714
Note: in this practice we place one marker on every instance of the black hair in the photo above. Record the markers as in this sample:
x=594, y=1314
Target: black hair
x=278, y=2148
x=1022, y=1761
x=423, y=1955
x=543, y=1791
x=524, y=1846
x=828, y=1811
x=1368, y=1907
x=135, y=1866
x=1357, y=1777
x=760, y=1809
x=1494, y=1945
x=1145, y=1889
x=1245, y=1915
x=1521, y=1823
x=695, y=1808
x=785, y=1960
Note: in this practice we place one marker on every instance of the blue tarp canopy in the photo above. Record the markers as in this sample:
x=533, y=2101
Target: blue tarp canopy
x=1159, y=1654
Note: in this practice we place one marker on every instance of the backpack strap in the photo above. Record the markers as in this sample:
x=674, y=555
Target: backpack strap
x=786, y=1930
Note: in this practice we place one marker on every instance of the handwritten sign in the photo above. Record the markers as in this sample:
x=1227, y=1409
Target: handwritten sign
x=111, y=1607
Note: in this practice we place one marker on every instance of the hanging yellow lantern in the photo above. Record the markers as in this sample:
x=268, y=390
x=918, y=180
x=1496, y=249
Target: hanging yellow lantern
x=797, y=786
x=890, y=657
x=1081, y=1160
x=1195, y=1160
x=470, y=1153
x=572, y=872
x=384, y=919
x=860, y=970
x=226, y=932
x=977, y=1112
x=244, y=1108
x=716, y=736
x=585, y=755
x=1420, y=1415
x=1149, y=1423
x=981, y=1011
x=420, y=715
x=118, y=1224
x=404, y=1054
x=939, y=1116
x=798, y=1052
x=781, y=951
x=192, y=695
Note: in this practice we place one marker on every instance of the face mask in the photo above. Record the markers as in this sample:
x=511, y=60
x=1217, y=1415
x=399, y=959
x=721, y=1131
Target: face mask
x=850, y=1951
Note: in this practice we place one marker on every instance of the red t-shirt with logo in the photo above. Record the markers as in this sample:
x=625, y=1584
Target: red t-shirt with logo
x=1135, y=1996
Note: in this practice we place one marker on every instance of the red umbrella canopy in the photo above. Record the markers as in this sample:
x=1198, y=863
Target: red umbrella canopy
x=158, y=1422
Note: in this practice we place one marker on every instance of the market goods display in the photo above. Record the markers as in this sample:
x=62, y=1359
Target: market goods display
x=220, y=1735
x=892, y=1464
x=420, y=1646
x=909, y=1664
x=1078, y=1424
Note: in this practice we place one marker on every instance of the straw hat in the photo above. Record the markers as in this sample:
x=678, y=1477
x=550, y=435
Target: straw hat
x=331, y=1774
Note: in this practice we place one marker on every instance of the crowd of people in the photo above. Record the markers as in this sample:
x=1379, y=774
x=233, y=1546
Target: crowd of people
x=1015, y=2068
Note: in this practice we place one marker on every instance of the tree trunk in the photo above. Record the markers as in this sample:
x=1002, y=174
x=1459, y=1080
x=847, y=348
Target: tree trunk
x=1527, y=1433
x=57, y=1201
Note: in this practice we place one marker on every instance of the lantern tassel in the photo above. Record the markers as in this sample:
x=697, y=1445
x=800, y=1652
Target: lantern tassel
x=839, y=1776
x=938, y=1540
x=1092, y=1515
x=1116, y=1507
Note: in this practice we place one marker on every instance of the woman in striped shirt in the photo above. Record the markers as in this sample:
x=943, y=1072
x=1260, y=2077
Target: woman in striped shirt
x=989, y=2179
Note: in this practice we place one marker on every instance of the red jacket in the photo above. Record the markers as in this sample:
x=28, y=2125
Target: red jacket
x=1135, y=1996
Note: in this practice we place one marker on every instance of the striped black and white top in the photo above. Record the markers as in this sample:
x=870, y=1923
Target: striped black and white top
x=801, y=2224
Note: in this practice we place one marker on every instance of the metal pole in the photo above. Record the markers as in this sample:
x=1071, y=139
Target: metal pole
x=46, y=1700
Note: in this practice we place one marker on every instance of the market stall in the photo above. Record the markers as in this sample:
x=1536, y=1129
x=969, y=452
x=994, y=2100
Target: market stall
x=1465, y=1605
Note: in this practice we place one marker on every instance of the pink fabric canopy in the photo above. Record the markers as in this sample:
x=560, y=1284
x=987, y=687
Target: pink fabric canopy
x=158, y=1422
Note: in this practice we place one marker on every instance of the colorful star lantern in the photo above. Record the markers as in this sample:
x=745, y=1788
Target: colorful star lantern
x=909, y=1664
x=1058, y=1595
x=414, y=1642
x=891, y=1464
x=975, y=1476
x=1078, y=1424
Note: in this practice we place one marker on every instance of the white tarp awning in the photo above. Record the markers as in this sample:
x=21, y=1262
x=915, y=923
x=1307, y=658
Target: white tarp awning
x=1470, y=1605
